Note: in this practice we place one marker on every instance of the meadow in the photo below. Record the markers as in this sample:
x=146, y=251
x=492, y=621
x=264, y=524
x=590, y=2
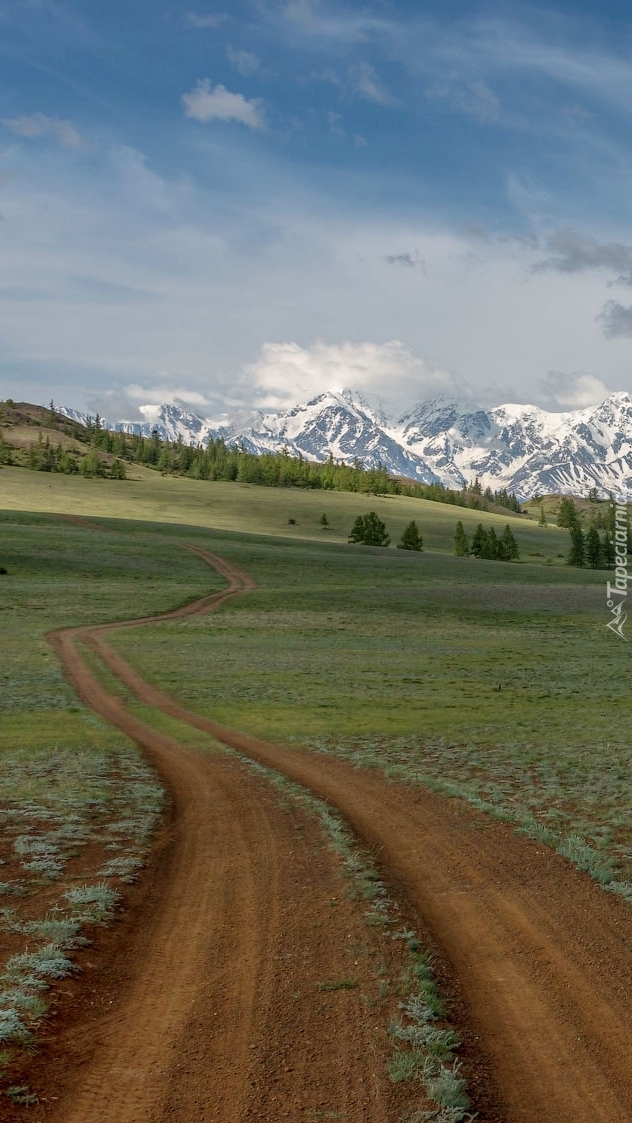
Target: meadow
x=492, y=681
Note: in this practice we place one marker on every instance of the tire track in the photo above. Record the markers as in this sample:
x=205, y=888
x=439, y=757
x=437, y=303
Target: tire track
x=543, y=956
x=241, y=919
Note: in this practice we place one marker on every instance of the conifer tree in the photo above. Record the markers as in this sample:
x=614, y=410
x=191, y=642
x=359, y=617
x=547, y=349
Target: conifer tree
x=411, y=538
x=607, y=550
x=593, y=548
x=491, y=549
x=577, y=554
x=461, y=543
x=568, y=514
x=369, y=530
x=509, y=546
x=479, y=541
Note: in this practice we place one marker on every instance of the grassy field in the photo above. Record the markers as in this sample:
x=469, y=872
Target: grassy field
x=497, y=682
x=171, y=500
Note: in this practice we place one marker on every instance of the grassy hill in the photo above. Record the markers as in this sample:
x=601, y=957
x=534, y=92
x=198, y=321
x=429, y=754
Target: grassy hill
x=151, y=497
x=495, y=682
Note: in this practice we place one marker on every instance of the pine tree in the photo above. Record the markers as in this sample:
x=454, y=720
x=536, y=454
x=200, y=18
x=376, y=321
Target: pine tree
x=5, y=452
x=324, y=521
x=461, y=543
x=117, y=470
x=577, y=554
x=568, y=514
x=369, y=530
x=479, y=541
x=491, y=548
x=509, y=546
x=607, y=550
x=542, y=519
x=411, y=538
x=593, y=548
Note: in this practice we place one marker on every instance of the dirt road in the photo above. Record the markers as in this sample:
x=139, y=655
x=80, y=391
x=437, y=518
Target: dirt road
x=543, y=957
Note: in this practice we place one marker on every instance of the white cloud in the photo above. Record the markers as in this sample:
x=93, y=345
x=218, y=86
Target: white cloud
x=284, y=263
x=388, y=372
x=39, y=125
x=164, y=392
x=366, y=83
x=312, y=19
x=573, y=390
x=202, y=21
x=244, y=62
x=206, y=103
x=472, y=98
x=335, y=126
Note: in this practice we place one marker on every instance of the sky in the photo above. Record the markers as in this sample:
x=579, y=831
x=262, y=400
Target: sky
x=241, y=205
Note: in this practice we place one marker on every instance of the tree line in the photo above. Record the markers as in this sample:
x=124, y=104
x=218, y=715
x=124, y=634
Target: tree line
x=218, y=461
x=370, y=530
x=486, y=543
x=588, y=547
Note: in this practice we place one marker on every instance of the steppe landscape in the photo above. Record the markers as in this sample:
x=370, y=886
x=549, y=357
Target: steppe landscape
x=300, y=829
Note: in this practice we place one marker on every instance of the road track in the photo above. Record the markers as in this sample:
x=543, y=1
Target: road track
x=542, y=955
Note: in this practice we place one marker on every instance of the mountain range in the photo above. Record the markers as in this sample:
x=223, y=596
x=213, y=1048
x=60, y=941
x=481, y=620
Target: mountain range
x=519, y=447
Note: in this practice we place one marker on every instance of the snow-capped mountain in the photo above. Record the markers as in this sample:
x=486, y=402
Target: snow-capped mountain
x=523, y=448
x=337, y=423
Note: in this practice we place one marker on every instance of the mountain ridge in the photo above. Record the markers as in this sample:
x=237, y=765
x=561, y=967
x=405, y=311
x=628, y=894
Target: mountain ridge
x=522, y=448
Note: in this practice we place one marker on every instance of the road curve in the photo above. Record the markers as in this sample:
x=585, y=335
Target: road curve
x=542, y=955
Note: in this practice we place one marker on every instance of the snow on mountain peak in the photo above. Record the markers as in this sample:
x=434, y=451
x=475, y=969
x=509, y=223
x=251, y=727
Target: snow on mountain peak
x=523, y=448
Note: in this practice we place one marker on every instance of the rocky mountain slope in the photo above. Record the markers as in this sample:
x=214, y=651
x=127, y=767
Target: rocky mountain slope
x=523, y=448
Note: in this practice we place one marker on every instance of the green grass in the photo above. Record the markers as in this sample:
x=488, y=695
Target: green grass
x=170, y=500
x=390, y=659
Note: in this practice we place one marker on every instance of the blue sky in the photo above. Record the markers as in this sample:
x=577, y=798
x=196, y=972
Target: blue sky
x=238, y=205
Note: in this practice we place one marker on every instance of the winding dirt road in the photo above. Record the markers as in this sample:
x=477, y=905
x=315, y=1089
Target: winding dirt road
x=543, y=957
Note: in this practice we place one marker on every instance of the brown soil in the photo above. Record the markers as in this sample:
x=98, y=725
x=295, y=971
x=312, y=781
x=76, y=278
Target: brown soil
x=542, y=956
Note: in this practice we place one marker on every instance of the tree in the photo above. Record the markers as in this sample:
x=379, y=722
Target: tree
x=117, y=470
x=324, y=521
x=369, y=530
x=411, y=538
x=577, y=554
x=5, y=452
x=491, y=546
x=568, y=514
x=461, y=543
x=607, y=550
x=479, y=541
x=508, y=544
x=593, y=548
x=542, y=519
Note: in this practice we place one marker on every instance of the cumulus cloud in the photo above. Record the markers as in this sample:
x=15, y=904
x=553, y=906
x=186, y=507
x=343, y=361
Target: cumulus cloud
x=574, y=253
x=215, y=103
x=244, y=62
x=165, y=393
x=615, y=319
x=572, y=390
x=39, y=125
x=197, y=20
x=387, y=373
